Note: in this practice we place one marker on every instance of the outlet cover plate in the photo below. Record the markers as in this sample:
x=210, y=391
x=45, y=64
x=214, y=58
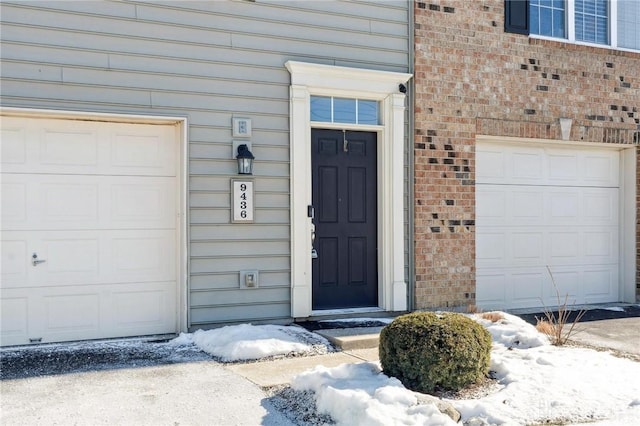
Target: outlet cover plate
x=243, y=278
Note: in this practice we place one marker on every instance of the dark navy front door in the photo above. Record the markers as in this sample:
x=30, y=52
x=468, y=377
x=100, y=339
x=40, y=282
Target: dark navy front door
x=345, y=273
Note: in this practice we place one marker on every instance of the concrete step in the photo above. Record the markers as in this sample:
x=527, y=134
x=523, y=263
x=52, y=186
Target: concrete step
x=352, y=338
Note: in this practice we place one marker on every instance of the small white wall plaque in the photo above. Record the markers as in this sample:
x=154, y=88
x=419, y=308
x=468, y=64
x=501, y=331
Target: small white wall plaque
x=241, y=201
x=241, y=127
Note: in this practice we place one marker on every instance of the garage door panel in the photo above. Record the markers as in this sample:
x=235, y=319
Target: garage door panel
x=147, y=257
x=526, y=166
x=527, y=247
x=514, y=205
x=70, y=148
x=600, y=284
x=14, y=144
x=50, y=202
x=601, y=246
x=526, y=287
x=491, y=206
x=564, y=247
x=490, y=248
x=563, y=167
x=135, y=151
x=97, y=203
x=16, y=210
x=72, y=312
x=87, y=257
x=491, y=164
x=71, y=257
x=532, y=286
x=568, y=283
x=527, y=206
x=14, y=315
x=519, y=164
x=563, y=206
x=90, y=148
x=136, y=309
x=68, y=202
x=56, y=314
x=600, y=206
x=565, y=217
x=15, y=260
x=492, y=285
x=601, y=168
x=148, y=204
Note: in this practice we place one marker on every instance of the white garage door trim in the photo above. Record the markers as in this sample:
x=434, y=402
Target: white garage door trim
x=488, y=264
x=160, y=189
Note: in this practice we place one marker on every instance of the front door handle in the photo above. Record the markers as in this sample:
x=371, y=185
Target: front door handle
x=35, y=261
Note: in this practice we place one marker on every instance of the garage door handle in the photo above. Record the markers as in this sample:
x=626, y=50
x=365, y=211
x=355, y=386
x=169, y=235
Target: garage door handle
x=35, y=261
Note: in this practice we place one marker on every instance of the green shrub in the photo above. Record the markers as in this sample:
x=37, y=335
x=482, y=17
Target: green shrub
x=428, y=351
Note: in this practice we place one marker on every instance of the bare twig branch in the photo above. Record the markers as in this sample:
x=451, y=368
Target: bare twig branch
x=555, y=326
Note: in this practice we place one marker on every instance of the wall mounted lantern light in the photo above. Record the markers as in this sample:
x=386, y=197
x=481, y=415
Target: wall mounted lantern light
x=245, y=160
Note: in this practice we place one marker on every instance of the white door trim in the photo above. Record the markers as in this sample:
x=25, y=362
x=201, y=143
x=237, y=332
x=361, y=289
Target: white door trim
x=181, y=128
x=627, y=201
x=313, y=79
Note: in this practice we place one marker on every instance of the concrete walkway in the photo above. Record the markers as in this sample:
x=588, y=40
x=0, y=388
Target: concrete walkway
x=281, y=371
x=194, y=393
x=621, y=334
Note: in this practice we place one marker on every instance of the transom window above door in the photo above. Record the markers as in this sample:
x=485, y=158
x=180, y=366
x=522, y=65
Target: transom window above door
x=329, y=109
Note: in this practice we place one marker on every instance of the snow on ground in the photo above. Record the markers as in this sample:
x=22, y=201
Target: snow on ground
x=537, y=382
x=359, y=394
x=614, y=309
x=249, y=342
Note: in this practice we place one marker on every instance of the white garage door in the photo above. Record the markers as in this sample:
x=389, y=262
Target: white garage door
x=88, y=230
x=543, y=206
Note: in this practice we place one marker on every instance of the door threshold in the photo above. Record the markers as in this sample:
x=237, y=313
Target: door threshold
x=345, y=312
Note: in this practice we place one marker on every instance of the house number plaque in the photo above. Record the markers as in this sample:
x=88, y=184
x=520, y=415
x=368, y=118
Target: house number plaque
x=241, y=201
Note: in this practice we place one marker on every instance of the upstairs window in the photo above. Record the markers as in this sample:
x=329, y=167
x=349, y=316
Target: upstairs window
x=629, y=24
x=592, y=21
x=547, y=17
x=613, y=23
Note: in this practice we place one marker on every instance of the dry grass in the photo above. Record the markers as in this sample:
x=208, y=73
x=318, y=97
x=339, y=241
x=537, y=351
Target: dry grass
x=473, y=309
x=492, y=316
x=557, y=326
x=545, y=327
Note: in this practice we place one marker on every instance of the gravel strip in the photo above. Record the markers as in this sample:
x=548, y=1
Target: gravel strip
x=297, y=406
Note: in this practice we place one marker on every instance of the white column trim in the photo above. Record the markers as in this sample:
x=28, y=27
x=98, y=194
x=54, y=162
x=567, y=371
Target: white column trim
x=300, y=198
x=313, y=79
x=628, y=220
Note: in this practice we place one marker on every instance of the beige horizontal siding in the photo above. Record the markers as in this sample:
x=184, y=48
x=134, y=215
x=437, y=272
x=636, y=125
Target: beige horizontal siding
x=230, y=280
x=207, y=61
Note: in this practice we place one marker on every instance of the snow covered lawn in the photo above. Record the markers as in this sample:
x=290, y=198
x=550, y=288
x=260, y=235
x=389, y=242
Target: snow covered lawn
x=536, y=382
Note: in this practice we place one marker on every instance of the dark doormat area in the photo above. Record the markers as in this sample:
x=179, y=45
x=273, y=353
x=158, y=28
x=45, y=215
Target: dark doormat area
x=333, y=324
x=591, y=314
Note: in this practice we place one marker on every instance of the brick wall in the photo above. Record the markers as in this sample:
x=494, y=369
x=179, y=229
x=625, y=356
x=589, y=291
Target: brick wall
x=472, y=78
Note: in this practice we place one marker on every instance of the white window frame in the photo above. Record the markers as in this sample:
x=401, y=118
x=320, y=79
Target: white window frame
x=324, y=80
x=571, y=28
